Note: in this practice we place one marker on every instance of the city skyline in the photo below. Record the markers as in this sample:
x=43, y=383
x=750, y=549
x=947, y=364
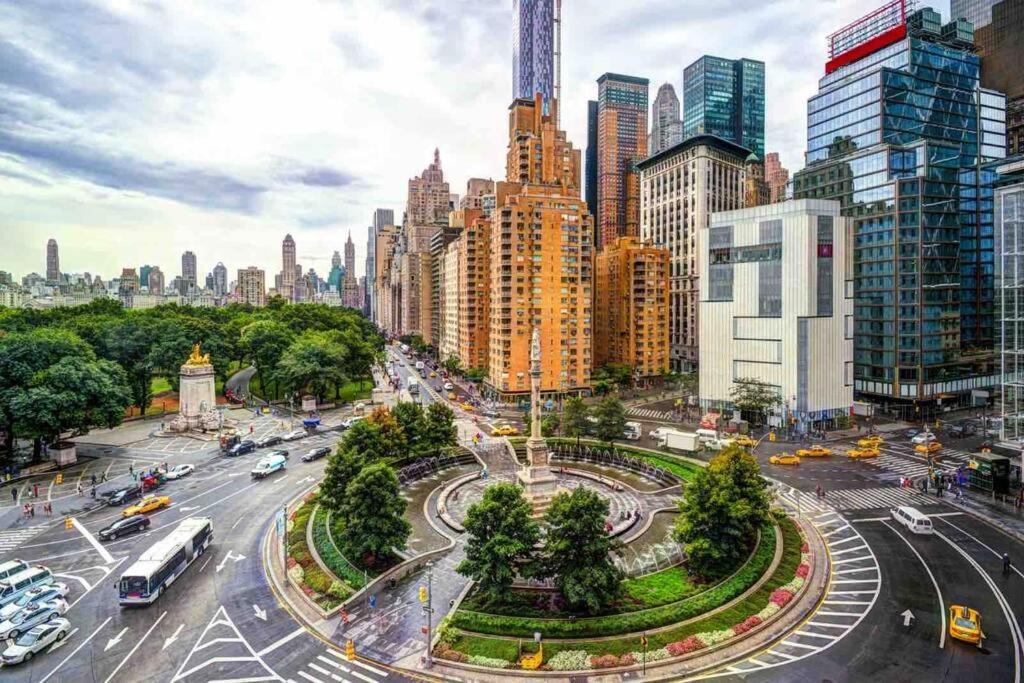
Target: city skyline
x=312, y=172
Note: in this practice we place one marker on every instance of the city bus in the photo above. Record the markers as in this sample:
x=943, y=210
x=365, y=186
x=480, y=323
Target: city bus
x=157, y=568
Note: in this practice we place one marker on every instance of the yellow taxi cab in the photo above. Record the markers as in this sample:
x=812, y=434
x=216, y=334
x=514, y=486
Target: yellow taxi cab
x=466, y=406
x=814, y=451
x=965, y=624
x=862, y=453
x=870, y=442
x=433, y=374
x=452, y=396
x=744, y=441
x=927, y=448
x=504, y=430
x=784, y=459
x=147, y=504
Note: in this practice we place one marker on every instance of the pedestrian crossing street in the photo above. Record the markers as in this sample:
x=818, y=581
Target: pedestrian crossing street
x=334, y=666
x=12, y=538
x=650, y=414
x=902, y=459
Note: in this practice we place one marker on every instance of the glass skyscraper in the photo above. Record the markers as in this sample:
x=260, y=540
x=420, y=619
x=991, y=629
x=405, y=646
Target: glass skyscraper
x=978, y=12
x=533, y=49
x=725, y=97
x=900, y=135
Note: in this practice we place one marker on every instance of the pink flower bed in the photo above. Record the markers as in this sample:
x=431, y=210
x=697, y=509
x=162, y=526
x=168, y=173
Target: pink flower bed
x=682, y=647
x=781, y=596
x=804, y=548
x=604, y=662
x=803, y=570
x=747, y=624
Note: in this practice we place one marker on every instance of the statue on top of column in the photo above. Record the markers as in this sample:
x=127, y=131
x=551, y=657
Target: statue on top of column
x=535, y=346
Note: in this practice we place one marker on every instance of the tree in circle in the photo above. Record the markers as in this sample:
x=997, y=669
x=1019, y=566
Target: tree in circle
x=611, y=419
x=577, y=551
x=502, y=535
x=372, y=516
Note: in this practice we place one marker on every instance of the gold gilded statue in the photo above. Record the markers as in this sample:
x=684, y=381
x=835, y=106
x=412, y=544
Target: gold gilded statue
x=197, y=358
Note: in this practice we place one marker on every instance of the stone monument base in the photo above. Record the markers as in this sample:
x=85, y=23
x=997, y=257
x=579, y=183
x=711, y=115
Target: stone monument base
x=540, y=485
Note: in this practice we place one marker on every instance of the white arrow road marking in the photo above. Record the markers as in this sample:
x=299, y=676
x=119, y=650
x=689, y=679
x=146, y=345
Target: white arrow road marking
x=107, y=557
x=75, y=651
x=189, y=508
x=116, y=639
x=229, y=556
x=132, y=651
x=907, y=617
x=260, y=613
x=174, y=637
x=63, y=641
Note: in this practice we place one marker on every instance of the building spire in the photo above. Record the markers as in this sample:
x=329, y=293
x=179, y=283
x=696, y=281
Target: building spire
x=437, y=157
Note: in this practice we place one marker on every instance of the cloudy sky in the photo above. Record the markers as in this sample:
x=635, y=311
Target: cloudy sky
x=132, y=130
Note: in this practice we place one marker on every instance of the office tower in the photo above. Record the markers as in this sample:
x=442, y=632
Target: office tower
x=621, y=142
x=978, y=12
x=533, y=49
x=666, y=126
x=427, y=203
x=144, y=275
x=350, y=256
x=776, y=176
x=591, y=163
x=540, y=214
x=287, y=287
x=189, y=279
x=1000, y=44
x=755, y=187
x=220, y=280
x=252, y=286
x=385, y=241
x=725, y=97
x=1009, y=263
x=52, y=262
x=774, y=308
x=155, y=280
x=6, y=278
x=680, y=187
x=336, y=258
x=909, y=167
x=382, y=217
x=631, y=308
x=128, y=286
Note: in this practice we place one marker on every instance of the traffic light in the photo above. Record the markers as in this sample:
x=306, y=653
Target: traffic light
x=350, y=650
x=423, y=593
x=771, y=436
x=60, y=478
x=68, y=523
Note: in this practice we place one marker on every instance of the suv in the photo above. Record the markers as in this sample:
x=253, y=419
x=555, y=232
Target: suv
x=122, y=496
x=121, y=527
x=242, y=448
x=316, y=454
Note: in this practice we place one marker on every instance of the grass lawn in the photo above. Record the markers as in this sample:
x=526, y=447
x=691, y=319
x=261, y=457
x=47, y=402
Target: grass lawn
x=159, y=385
x=352, y=391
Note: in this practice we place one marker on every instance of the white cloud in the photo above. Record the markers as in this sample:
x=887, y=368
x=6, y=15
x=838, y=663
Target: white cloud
x=132, y=131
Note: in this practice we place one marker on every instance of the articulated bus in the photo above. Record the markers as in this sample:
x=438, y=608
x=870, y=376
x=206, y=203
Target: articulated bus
x=157, y=568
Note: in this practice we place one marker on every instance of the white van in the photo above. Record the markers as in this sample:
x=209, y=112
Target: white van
x=12, y=567
x=268, y=465
x=633, y=431
x=717, y=444
x=916, y=521
x=706, y=435
x=18, y=584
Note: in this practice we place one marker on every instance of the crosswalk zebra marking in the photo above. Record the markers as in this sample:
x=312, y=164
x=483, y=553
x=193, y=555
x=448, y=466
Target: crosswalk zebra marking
x=12, y=538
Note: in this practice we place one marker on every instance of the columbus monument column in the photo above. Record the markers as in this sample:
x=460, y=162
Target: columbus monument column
x=537, y=479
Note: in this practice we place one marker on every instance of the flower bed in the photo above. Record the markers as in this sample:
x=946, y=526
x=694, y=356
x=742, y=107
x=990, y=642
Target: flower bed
x=303, y=570
x=715, y=629
x=628, y=622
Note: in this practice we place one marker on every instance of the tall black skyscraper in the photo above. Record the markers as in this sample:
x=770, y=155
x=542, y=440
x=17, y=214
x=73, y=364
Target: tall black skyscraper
x=590, y=169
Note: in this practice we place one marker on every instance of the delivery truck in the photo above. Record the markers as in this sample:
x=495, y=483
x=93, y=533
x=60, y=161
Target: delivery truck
x=680, y=441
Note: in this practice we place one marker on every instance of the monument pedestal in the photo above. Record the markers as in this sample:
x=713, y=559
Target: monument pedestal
x=539, y=482
x=197, y=399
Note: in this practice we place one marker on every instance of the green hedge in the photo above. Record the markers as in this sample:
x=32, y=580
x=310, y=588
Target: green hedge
x=330, y=553
x=482, y=645
x=630, y=622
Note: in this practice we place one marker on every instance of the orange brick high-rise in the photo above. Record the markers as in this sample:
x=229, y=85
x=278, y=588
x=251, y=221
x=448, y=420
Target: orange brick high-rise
x=540, y=261
x=631, y=307
x=621, y=142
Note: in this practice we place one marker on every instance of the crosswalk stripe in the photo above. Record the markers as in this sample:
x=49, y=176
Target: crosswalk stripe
x=310, y=678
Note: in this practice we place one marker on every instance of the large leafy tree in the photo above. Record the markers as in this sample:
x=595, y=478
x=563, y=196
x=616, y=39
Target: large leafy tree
x=611, y=419
x=725, y=505
x=502, y=535
x=577, y=550
x=574, y=418
x=439, y=427
x=314, y=362
x=372, y=510
x=264, y=342
x=411, y=424
x=129, y=342
x=343, y=466
x=754, y=397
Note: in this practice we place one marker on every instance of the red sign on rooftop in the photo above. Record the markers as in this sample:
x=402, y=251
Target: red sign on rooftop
x=883, y=27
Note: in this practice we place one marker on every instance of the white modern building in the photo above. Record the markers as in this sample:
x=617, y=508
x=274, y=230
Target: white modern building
x=1009, y=263
x=776, y=306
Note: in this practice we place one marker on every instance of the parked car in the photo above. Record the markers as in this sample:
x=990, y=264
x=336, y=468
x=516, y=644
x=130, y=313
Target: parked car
x=48, y=591
x=179, y=471
x=294, y=435
x=147, y=504
x=271, y=440
x=35, y=641
x=122, y=496
x=283, y=454
x=348, y=422
x=35, y=613
x=242, y=447
x=316, y=454
x=123, y=527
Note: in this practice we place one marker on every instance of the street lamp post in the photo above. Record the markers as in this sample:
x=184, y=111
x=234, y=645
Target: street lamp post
x=429, y=611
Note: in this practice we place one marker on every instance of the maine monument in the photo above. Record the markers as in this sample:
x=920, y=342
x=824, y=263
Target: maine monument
x=196, y=395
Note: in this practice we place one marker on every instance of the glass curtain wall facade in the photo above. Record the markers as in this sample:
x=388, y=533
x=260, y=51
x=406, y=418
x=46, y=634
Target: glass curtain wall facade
x=725, y=97
x=1009, y=221
x=533, y=49
x=900, y=138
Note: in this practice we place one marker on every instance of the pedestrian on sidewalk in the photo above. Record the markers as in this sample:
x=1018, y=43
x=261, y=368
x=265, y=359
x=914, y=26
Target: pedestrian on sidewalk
x=103, y=477
x=35, y=490
x=79, y=488
x=131, y=471
x=32, y=510
x=93, y=477
x=24, y=510
x=14, y=494
x=48, y=509
x=94, y=493
x=817, y=491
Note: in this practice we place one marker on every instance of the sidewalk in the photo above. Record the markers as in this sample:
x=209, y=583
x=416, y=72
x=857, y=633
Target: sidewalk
x=1002, y=515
